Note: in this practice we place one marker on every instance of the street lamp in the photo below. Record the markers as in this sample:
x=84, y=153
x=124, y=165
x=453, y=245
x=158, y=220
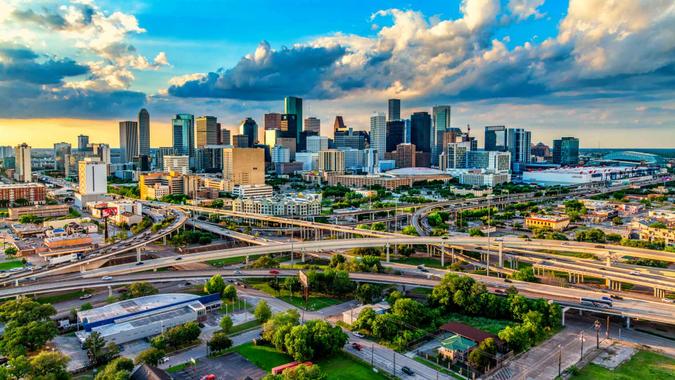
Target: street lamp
x=489, y=198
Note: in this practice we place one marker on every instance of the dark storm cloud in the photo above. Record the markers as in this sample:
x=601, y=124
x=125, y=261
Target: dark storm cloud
x=269, y=74
x=19, y=63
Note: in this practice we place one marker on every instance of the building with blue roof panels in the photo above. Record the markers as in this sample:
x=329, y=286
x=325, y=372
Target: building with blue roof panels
x=632, y=158
x=143, y=317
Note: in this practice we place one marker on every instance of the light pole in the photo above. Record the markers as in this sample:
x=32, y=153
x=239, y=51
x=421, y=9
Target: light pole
x=559, y=360
x=596, y=325
x=582, y=345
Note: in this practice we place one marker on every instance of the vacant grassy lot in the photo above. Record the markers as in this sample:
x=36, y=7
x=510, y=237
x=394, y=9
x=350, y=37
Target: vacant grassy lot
x=315, y=301
x=643, y=365
x=7, y=265
x=338, y=367
x=492, y=326
x=52, y=299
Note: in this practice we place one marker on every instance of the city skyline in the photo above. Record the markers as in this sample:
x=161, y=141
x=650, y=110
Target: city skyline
x=522, y=64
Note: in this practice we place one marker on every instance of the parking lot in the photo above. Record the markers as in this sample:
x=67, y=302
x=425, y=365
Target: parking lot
x=229, y=367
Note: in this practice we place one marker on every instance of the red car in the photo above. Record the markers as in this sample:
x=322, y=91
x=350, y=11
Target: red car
x=209, y=377
x=274, y=272
x=357, y=346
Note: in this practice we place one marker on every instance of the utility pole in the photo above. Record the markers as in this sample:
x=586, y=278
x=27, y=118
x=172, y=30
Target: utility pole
x=597, y=333
x=394, y=363
x=372, y=355
x=582, y=345
x=559, y=360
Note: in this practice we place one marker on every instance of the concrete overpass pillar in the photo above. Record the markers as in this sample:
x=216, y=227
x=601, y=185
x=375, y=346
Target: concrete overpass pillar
x=110, y=291
x=139, y=253
x=303, y=254
x=388, y=251
x=442, y=256
x=609, y=261
x=164, y=240
x=628, y=322
x=501, y=254
x=247, y=259
x=452, y=258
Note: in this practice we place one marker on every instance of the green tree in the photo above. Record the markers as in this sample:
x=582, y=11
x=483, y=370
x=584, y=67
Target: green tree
x=277, y=323
x=336, y=260
x=367, y=293
x=410, y=312
x=215, y=284
x=49, y=365
x=385, y=326
x=617, y=221
x=226, y=324
x=118, y=369
x=475, y=231
x=11, y=251
x=151, y=356
x=481, y=356
x=292, y=284
x=364, y=320
x=410, y=230
x=94, y=345
x=219, y=342
x=525, y=274
x=86, y=306
x=303, y=372
x=262, y=311
x=265, y=262
x=230, y=293
x=298, y=343
x=140, y=289
x=28, y=326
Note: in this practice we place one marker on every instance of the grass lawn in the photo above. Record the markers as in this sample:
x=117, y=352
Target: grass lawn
x=338, y=367
x=52, y=299
x=492, y=326
x=437, y=367
x=316, y=301
x=643, y=365
x=244, y=326
x=230, y=260
x=177, y=368
x=7, y=265
x=426, y=261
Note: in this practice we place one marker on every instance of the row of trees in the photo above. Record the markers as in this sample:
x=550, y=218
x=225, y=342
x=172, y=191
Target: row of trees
x=28, y=326
x=177, y=337
x=313, y=340
x=191, y=237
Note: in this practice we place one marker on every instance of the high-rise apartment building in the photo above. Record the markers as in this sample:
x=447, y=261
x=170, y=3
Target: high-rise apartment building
x=332, y=161
x=206, y=131
x=440, y=124
x=378, y=134
x=225, y=137
x=61, y=151
x=492, y=161
x=82, y=142
x=143, y=132
x=183, y=134
x=394, y=108
x=495, y=138
x=420, y=131
x=23, y=171
x=272, y=121
x=518, y=142
x=455, y=156
x=313, y=124
x=293, y=106
x=249, y=128
x=92, y=175
x=176, y=164
x=244, y=166
x=395, y=134
x=566, y=151
x=317, y=143
x=128, y=141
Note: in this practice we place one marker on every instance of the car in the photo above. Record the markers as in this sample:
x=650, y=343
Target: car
x=599, y=246
x=274, y=272
x=237, y=272
x=616, y=296
x=85, y=296
x=164, y=360
x=357, y=334
x=140, y=263
x=635, y=273
x=178, y=258
x=507, y=280
x=407, y=371
x=106, y=278
x=668, y=300
x=357, y=346
x=606, y=298
x=208, y=377
x=499, y=291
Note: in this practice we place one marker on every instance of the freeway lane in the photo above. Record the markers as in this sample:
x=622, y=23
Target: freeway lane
x=634, y=308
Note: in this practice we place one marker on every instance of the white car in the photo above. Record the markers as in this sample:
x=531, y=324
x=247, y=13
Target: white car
x=635, y=273
x=668, y=300
x=106, y=278
x=357, y=334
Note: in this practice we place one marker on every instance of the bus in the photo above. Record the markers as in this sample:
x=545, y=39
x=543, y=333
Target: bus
x=596, y=302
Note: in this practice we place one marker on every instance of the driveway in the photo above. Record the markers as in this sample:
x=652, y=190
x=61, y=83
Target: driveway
x=228, y=367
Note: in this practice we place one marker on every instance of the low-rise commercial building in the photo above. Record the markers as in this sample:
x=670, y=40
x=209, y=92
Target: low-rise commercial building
x=252, y=191
x=587, y=174
x=350, y=316
x=554, y=222
x=647, y=230
x=480, y=178
x=143, y=317
x=46, y=211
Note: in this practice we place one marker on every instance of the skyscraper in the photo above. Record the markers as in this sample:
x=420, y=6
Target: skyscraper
x=244, y=166
x=566, y=151
x=378, y=134
x=293, y=106
x=495, y=138
x=272, y=121
x=249, y=128
x=288, y=126
x=225, y=136
x=313, y=124
x=395, y=134
x=440, y=124
x=82, y=142
x=183, y=134
x=143, y=132
x=394, y=110
x=23, y=170
x=206, y=131
x=92, y=176
x=128, y=141
x=61, y=150
x=339, y=125
x=518, y=142
x=420, y=131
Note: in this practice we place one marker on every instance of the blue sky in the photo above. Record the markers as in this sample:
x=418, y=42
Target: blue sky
x=596, y=69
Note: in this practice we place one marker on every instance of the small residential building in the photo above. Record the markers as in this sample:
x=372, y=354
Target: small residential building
x=350, y=316
x=553, y=222
x=646, y=232
x=462, y=339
